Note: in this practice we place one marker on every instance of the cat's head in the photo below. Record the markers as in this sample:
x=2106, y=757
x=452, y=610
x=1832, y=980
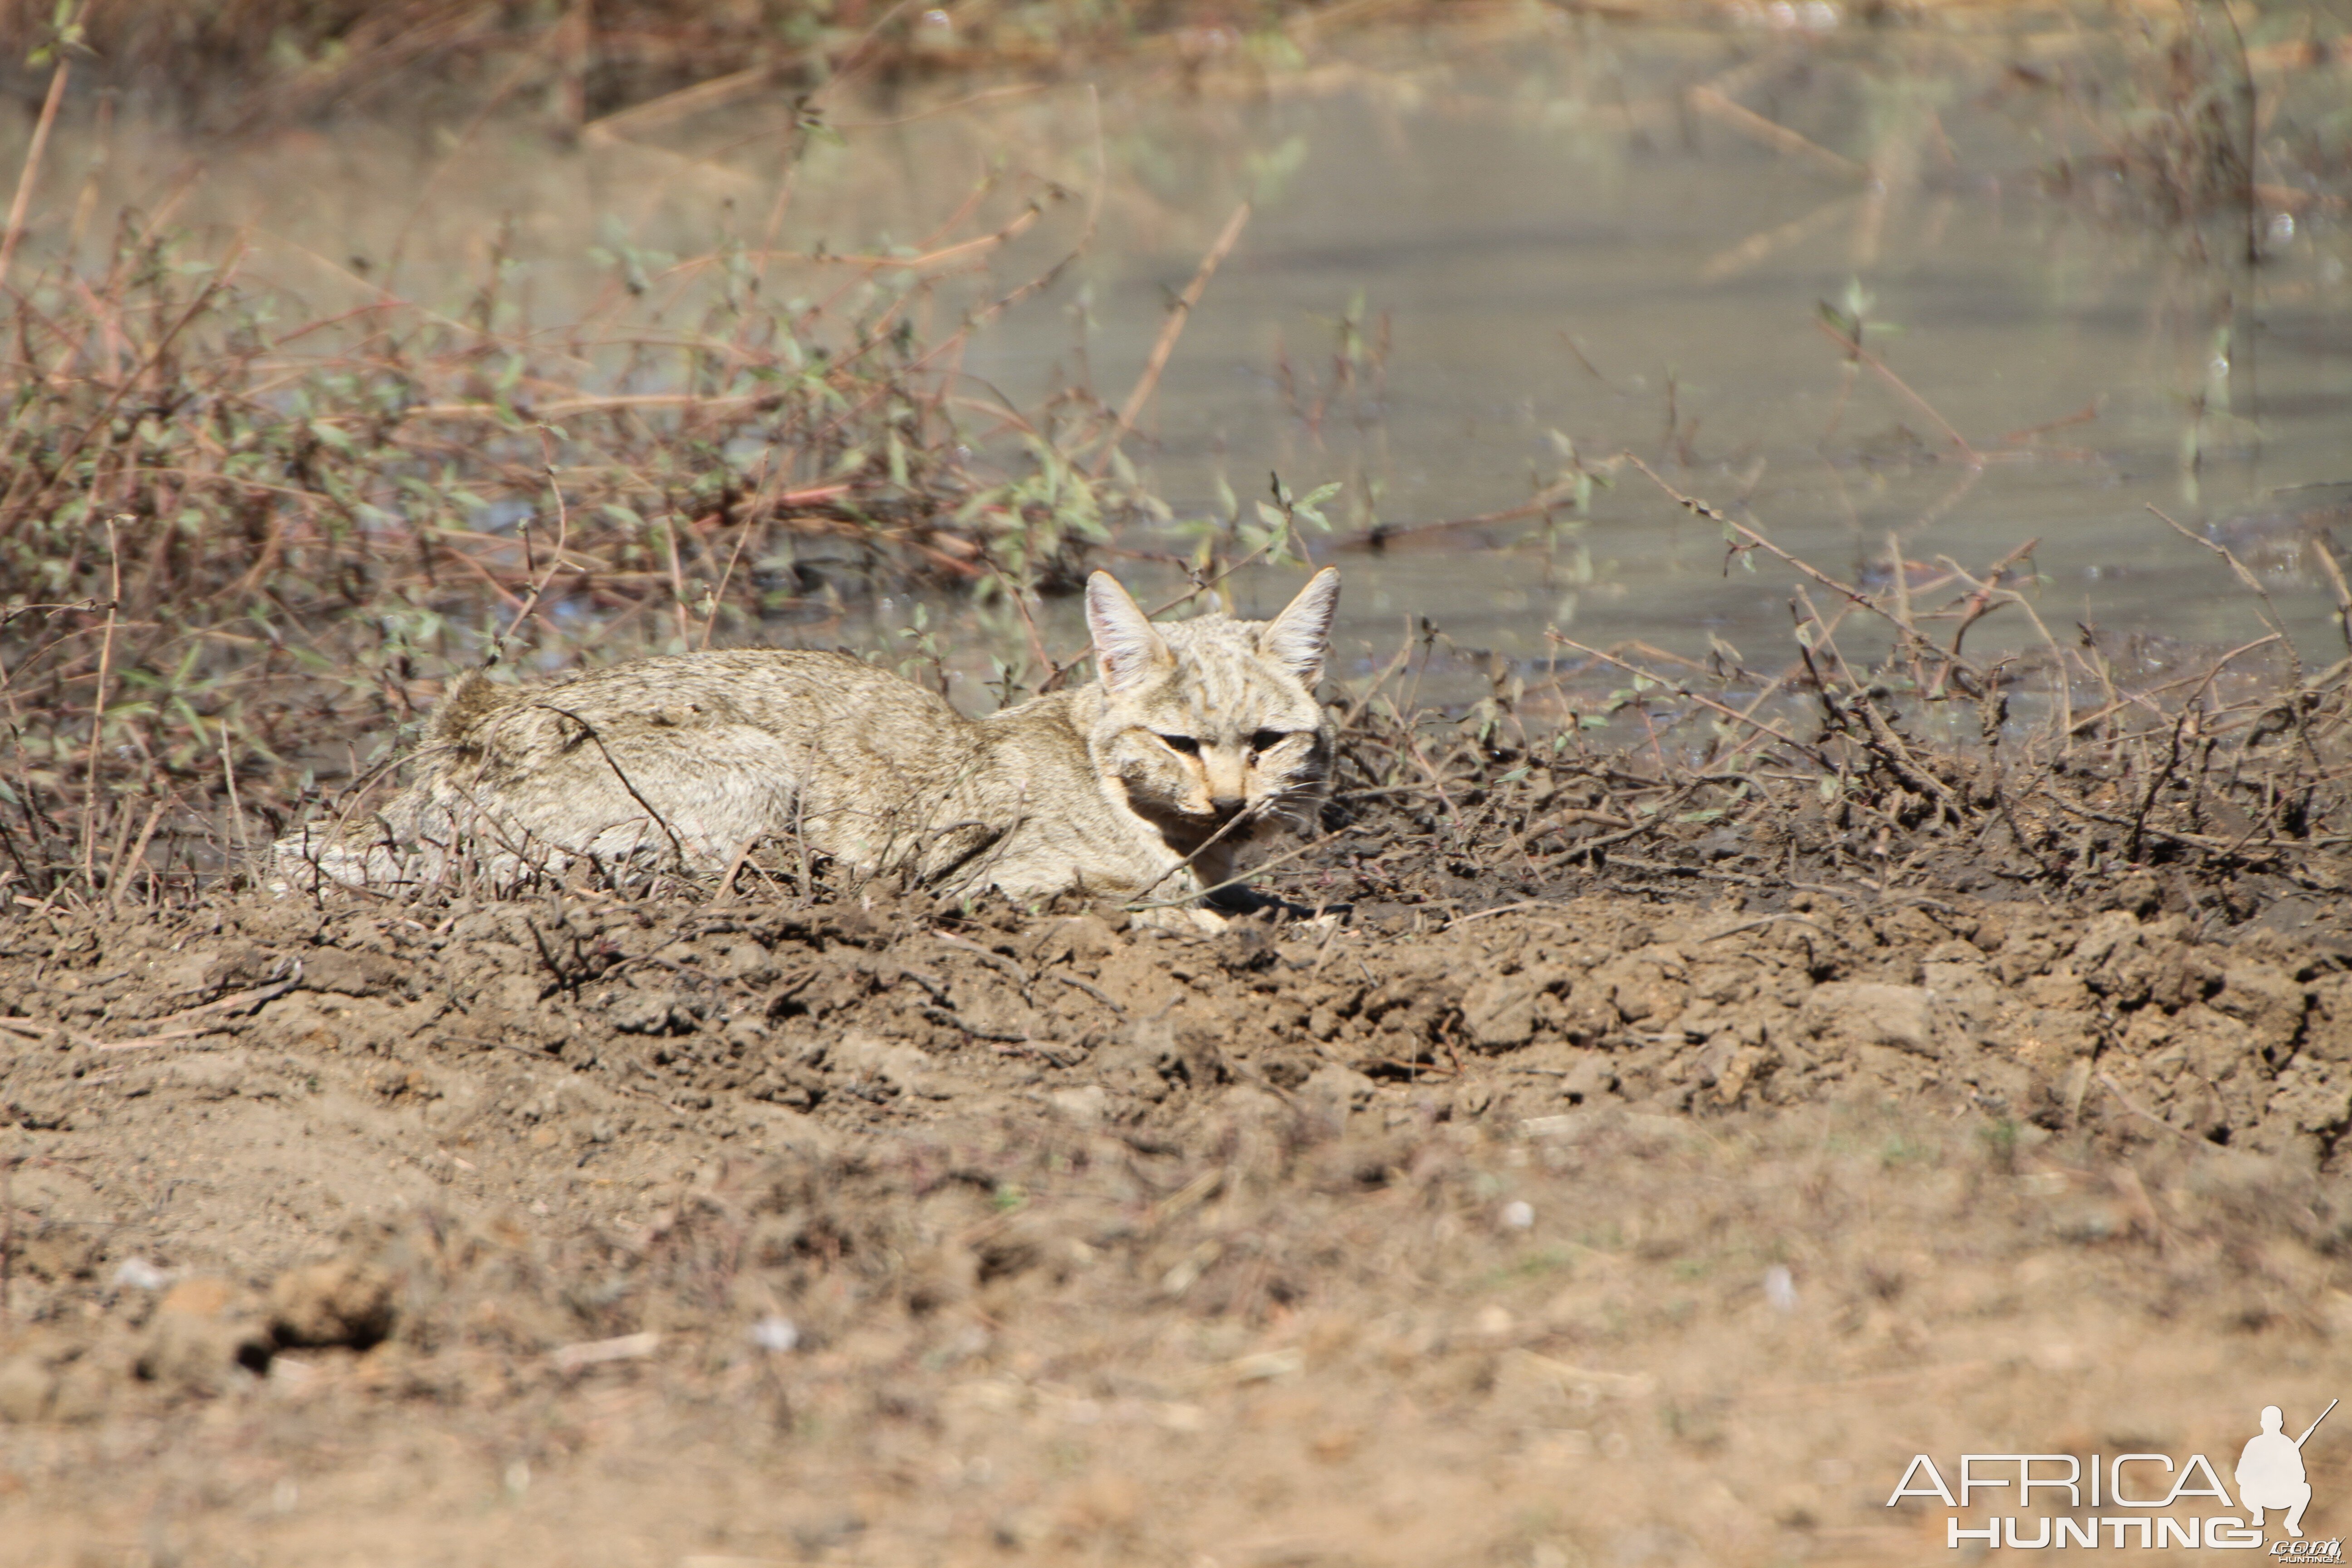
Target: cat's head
x=1207, y=720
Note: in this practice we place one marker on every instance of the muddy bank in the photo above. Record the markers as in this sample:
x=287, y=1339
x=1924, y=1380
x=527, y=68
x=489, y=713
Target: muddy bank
x=1615, y=1229
x=890, y=1012
x=1618, y=1137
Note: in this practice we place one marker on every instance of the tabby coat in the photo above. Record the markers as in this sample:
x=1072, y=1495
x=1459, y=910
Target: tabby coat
x=1196, y=738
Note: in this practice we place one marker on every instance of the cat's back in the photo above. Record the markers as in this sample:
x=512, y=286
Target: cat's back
x=824, y=720
x=768, y=688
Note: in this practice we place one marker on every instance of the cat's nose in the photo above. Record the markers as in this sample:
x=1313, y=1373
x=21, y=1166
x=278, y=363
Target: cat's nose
x=1227, y=809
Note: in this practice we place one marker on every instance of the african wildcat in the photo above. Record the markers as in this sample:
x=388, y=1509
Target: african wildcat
x=1196, y=736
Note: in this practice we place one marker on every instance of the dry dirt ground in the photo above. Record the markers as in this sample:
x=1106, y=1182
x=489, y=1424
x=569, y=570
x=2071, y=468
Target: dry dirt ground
x=1612, y=1230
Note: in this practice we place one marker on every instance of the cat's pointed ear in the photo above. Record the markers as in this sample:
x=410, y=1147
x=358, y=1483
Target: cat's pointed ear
x=1127, y=649
x=1297, y=639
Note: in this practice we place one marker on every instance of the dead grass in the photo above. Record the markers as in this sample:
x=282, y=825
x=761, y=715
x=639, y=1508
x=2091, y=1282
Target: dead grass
x=210, y=532
x=217, y=528
x=227, y=535
x=242, y=63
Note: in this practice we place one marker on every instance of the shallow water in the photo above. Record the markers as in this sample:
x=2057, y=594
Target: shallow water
x=1543, y=241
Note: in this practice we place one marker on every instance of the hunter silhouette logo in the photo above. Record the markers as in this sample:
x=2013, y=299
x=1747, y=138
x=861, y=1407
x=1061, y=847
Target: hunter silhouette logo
x=2270, y=1472
x=2133, y=1499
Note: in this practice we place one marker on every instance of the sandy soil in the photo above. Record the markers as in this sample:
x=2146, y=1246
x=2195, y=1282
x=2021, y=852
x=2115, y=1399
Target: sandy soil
x=1611, y=1230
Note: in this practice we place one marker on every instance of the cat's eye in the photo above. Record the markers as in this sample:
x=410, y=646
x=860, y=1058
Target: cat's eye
x=1184, y=743
x=1267, y=739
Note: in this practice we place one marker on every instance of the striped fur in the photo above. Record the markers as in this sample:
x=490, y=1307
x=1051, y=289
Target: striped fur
x=1198, y=738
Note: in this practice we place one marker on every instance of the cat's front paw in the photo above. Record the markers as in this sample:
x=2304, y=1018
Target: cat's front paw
x=1187, y=920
